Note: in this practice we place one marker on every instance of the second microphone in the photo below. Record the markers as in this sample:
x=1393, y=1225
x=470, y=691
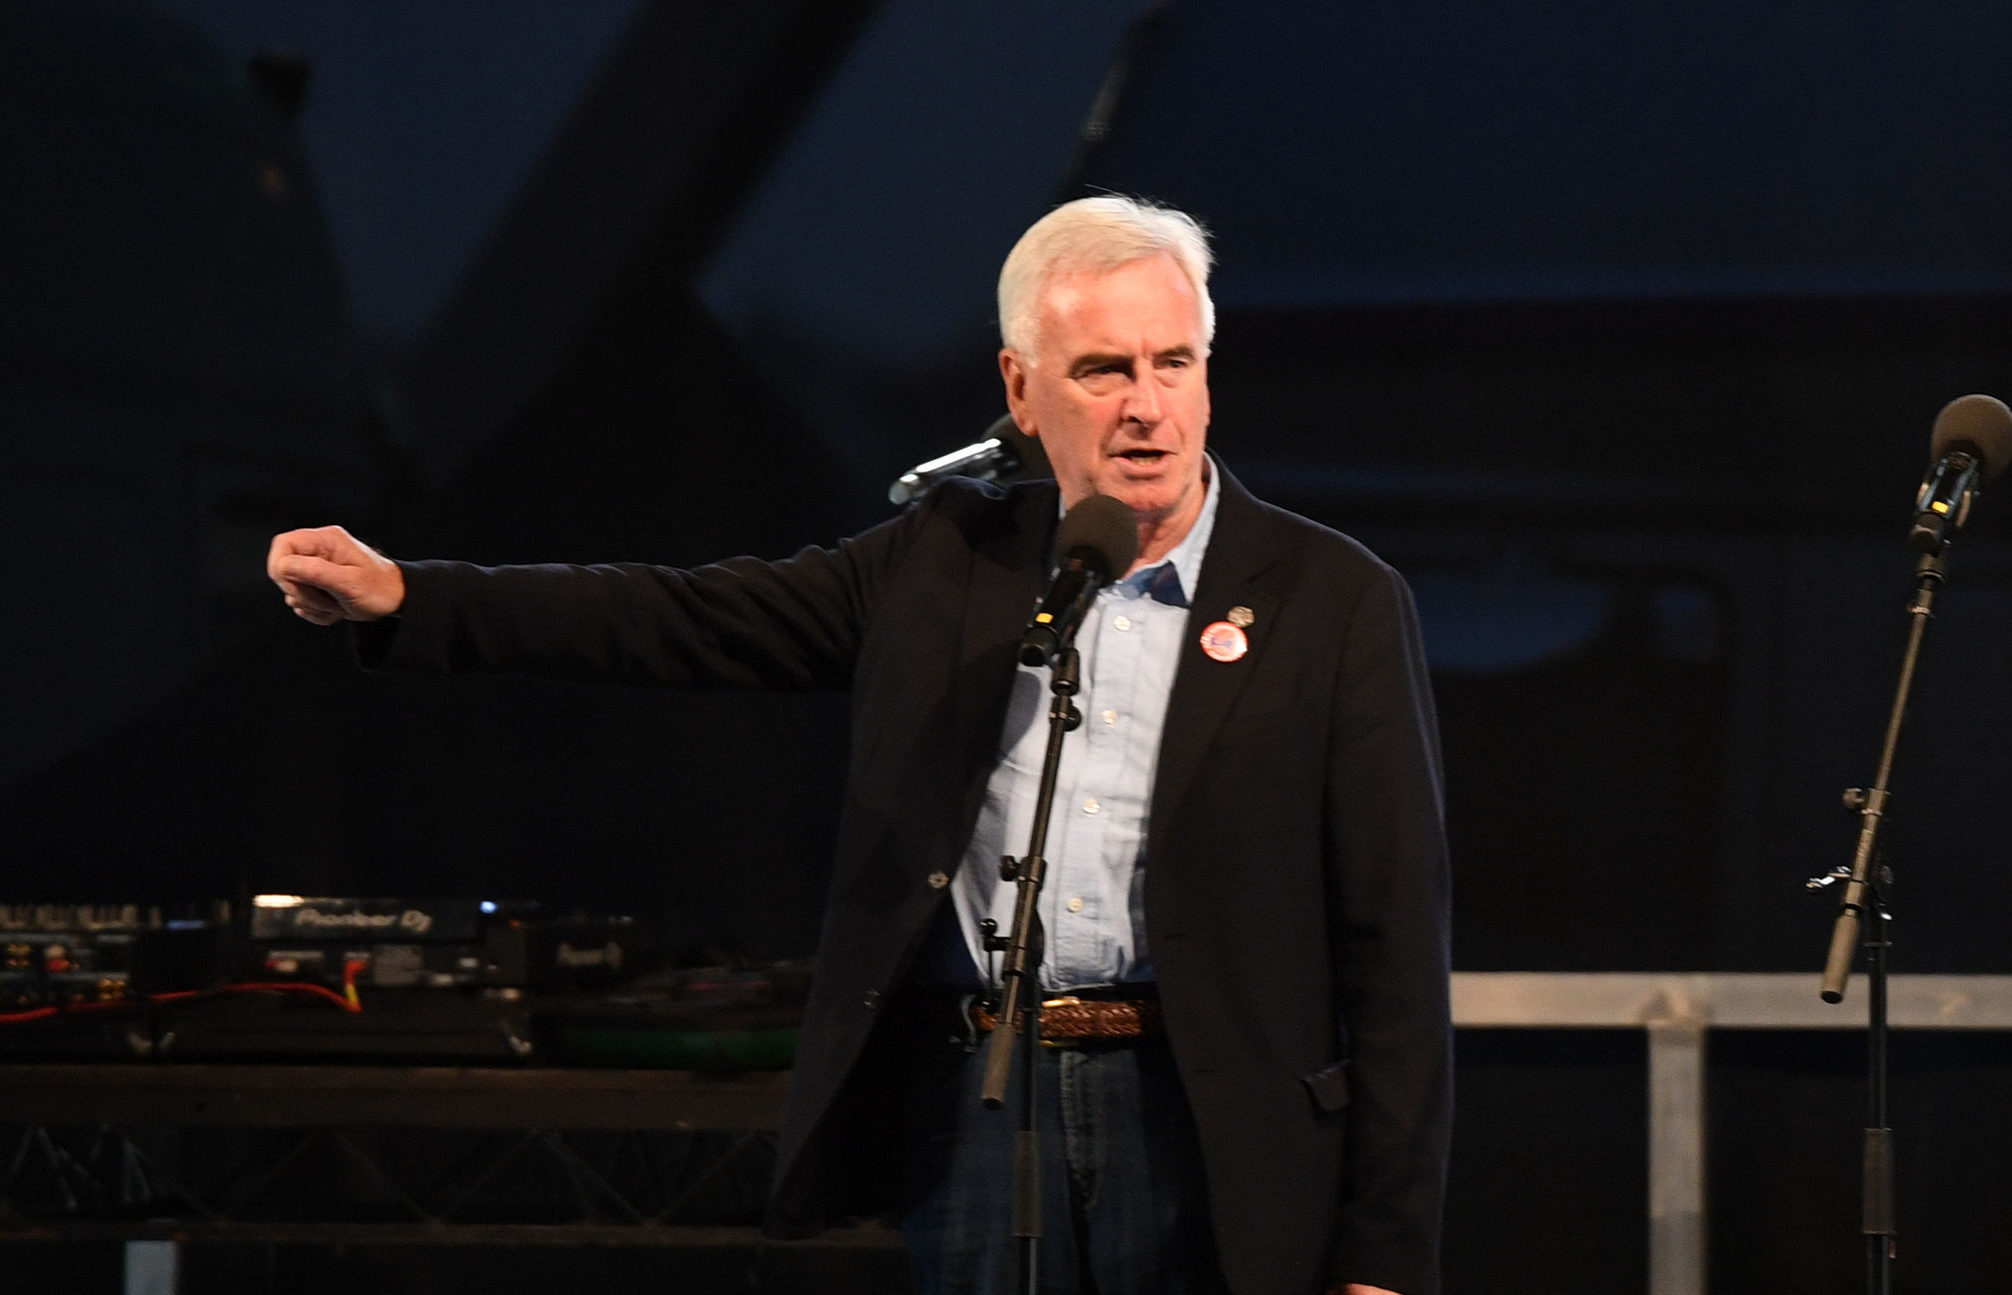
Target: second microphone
x=1097, y=543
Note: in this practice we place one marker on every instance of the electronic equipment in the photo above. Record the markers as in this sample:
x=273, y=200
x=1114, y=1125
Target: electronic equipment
x=59, y=955
x=441, y=943
x=294, y=977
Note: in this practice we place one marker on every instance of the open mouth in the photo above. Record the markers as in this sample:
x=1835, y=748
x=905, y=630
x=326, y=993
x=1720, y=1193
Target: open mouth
x=1143, y=456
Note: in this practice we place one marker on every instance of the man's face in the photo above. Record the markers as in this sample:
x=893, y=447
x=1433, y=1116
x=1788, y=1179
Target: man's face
x=1117, y=390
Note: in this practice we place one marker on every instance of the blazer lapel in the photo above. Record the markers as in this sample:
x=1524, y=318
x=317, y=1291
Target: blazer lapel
x=1233, y=574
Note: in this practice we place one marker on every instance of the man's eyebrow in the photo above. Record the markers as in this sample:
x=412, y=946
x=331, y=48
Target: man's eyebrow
x=1094, y=361
x=1181, y=352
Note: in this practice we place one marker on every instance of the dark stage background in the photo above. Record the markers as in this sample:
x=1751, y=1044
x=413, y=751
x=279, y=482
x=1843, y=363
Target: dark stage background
x=1620, y=330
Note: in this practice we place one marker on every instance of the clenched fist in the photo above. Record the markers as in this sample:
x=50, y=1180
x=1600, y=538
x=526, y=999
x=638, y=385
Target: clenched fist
x=328, y=575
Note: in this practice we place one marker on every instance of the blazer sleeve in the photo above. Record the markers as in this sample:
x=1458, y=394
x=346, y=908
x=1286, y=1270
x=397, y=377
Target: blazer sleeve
x=1390, y=893
x=792, y=624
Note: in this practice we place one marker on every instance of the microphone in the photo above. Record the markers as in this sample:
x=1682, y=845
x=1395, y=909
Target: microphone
x=1971, y=444
x=1098, y=540
x=1004, y=451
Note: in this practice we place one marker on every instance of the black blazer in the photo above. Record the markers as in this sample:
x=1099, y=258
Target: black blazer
x=1296, y=891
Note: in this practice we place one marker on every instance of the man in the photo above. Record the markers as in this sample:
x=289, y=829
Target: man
x=1247, y=897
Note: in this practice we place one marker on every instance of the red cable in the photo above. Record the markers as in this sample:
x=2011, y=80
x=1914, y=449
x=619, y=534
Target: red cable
x=349, y=1003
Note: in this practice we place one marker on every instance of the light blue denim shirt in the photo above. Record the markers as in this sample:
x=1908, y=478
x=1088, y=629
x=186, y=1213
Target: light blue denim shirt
x=1093, y=901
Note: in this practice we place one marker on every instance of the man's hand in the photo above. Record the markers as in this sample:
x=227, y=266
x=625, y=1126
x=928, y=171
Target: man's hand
x=327, y=576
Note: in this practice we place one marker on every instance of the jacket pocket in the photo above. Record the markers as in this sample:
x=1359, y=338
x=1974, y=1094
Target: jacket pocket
x=1329, y=1087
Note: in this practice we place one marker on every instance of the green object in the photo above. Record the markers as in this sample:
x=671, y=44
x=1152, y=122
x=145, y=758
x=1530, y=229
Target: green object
x=772, y=1049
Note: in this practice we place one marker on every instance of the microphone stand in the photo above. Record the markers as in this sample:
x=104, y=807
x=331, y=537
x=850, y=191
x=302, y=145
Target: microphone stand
x=1018, y=974
x=1867, y=884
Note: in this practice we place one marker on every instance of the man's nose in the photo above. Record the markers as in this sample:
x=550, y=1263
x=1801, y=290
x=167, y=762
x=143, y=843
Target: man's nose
x=1144, y=405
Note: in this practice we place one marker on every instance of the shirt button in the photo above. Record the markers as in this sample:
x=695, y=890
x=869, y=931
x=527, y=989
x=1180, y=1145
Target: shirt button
x=1110, y=717
x=872, y=1000
x=1123, y=622
x=1091, y=806
x=938, y=880
x=1075, y=903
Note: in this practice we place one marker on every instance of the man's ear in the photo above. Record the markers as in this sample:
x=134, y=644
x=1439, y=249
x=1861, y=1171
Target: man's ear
x=1013, y=372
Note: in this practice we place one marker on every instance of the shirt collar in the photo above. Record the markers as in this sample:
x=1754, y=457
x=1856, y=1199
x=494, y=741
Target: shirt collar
x=1173, y=577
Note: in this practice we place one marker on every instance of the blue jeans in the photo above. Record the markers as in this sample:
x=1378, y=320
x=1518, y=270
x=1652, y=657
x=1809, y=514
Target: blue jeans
x=1124, y=1200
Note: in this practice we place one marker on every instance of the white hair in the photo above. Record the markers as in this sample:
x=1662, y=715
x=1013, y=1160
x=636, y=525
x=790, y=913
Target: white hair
x=1096, y=236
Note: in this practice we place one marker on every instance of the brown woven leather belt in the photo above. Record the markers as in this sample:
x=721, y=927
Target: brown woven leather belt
x=1070, y=1020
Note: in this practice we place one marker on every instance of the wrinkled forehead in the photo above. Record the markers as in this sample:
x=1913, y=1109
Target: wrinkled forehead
x=1145, y=295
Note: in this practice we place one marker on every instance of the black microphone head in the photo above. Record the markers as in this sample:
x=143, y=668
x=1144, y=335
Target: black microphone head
x=1980, y=424
x=1102, y=532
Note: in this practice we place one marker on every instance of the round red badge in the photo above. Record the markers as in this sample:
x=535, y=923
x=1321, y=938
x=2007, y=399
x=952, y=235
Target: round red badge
x=1224, y=642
